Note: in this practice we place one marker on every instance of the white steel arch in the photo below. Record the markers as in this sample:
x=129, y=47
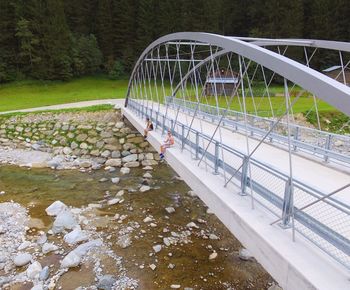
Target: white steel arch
x=327, y=89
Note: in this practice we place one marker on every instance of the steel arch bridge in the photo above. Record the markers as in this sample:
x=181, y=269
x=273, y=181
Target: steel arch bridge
x=233, y=104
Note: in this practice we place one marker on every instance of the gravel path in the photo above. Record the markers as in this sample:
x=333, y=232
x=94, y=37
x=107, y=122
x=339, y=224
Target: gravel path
x=119, y=102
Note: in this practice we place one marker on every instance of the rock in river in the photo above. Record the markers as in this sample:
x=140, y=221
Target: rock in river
x=75, y=236
x=22, y=259
x=106, y=282
x=64, y=220
x=71, y=260
x=34, y=270
x=47, y=248
x=55, y=208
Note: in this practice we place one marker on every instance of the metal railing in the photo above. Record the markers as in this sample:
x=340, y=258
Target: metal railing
x=326, y=222
x=316, y=142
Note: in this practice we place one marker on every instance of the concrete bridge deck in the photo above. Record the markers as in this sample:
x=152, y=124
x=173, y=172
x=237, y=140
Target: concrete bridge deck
x=292, y=264
x=320, y=175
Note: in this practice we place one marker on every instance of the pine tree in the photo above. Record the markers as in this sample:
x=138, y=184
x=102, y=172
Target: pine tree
x=105, y=32
x=27, y=46
x=8, y=43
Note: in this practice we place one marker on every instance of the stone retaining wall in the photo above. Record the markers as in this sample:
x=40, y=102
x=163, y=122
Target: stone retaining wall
x=89, y=141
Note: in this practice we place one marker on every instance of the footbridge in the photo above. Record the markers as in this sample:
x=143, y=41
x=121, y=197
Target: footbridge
x=238, y=109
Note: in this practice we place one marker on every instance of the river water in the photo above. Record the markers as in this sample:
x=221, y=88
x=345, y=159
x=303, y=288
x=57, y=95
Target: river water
x=185, y=262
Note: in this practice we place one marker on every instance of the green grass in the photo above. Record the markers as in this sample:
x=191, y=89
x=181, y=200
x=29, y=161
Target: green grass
x=303, y=104
x=30, y=94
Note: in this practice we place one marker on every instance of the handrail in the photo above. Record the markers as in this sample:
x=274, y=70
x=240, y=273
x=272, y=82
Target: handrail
x=316, y=201
x=326, y=153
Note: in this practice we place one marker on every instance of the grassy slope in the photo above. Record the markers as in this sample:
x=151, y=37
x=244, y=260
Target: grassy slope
x=29, y=94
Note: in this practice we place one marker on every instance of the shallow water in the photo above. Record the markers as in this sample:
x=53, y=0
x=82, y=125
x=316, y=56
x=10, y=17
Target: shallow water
x=37, y=189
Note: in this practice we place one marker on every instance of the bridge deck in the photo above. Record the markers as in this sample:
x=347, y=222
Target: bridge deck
x=291, y=264
x=319, y=175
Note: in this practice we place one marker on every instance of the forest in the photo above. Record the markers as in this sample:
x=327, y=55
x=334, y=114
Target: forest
x=64, y=39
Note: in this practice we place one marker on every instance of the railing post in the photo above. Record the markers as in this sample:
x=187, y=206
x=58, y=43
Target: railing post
x=244, y=176
x=216, y=161
x=287, y=204
x=327, y=146
x=172, y=128
x=197, y=145
x=296, y=137
x=182, y=136
x=271, y=125
x=163, y=125
x=157, y=113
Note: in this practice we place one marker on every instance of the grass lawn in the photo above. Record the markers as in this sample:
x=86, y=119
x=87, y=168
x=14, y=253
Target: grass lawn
x=30, y=94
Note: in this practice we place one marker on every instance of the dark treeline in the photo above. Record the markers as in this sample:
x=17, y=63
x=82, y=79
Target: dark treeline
x=61, y=39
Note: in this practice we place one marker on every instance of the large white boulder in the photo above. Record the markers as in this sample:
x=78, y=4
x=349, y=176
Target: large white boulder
x=75, y=236
x=64, y=220
x=22, y=259
x=71, y=260
x=34, y=270
x=55, y=208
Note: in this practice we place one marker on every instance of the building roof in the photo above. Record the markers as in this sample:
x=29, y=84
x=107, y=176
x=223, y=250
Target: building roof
x=223, y=80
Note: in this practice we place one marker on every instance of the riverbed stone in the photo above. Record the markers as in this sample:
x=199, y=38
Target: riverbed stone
x=213, y=256
x=113, y=201
x=22, y=259
x=245, y=255
x=64, y=220
x=106, y=282
x=157, y=248
x=170, y=210
x=125, y=170
x=71, y=260
x=144, y=188
x=48, y=247
x=34, y=270
x=115, y=180
x=75, y=236
x=147, y=175
x=44, y=274
x=55, y=208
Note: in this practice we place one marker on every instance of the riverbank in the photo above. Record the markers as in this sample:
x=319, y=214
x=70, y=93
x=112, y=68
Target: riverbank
x=85, y=204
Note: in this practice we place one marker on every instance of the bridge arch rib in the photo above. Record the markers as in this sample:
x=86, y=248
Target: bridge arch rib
x=325, y=88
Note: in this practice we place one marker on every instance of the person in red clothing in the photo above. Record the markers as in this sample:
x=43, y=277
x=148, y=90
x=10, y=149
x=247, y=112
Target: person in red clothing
x=168, y=142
